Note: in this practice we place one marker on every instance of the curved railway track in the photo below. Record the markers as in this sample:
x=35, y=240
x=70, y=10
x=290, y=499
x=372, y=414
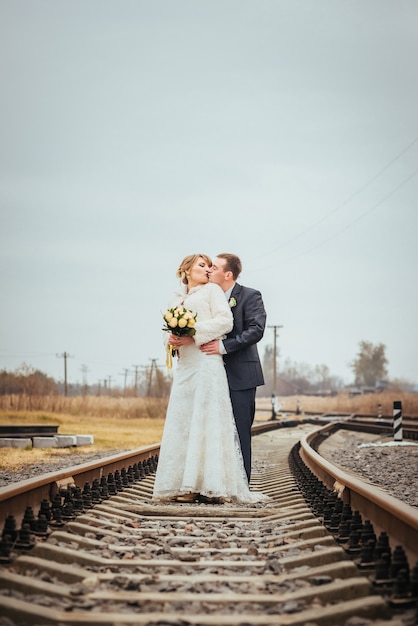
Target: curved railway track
x=108, y=555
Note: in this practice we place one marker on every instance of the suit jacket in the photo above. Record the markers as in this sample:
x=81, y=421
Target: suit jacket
x=242, y=361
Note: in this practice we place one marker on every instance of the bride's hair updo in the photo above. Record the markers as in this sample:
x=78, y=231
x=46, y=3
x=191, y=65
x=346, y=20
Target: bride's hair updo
x=187, y=264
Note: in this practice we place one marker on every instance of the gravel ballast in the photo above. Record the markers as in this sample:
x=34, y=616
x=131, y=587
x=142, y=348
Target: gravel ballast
x=381, y=461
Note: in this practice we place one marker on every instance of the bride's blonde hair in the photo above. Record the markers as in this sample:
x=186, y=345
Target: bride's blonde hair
x=187, y=264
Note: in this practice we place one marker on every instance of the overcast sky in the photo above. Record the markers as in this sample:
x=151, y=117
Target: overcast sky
x=134, y=132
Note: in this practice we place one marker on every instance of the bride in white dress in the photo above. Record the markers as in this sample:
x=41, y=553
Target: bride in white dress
x=200, y=455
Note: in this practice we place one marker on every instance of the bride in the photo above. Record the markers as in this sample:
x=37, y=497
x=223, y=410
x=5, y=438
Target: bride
x=200, y=455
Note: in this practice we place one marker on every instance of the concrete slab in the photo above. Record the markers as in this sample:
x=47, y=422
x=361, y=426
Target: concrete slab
x=10, y=442
x=84, y=440
x=44, y=442
x=66, y=441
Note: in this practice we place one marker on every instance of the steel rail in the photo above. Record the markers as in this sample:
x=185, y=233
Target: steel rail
x=128, y=560
x=397, y=519
x=29, y=493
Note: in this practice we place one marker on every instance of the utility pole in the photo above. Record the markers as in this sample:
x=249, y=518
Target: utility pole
x=273, y=395
x=84, y=369
x=125, y=374
x=136, y=378
x=66, y=356
x=153, y=366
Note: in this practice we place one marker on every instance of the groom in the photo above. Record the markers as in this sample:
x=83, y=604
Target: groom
x=239, y=348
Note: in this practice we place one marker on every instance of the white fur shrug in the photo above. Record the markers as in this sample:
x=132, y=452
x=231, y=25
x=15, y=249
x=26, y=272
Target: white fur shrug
x=214, y=317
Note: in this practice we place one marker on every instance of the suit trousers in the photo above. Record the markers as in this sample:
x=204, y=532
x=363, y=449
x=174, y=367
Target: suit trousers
x=243, y=407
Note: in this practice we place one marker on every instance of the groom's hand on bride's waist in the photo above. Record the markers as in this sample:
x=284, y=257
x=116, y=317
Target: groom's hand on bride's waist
x=211, y=347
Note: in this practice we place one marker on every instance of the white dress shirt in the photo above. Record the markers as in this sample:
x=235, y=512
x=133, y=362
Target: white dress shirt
x=221, y=343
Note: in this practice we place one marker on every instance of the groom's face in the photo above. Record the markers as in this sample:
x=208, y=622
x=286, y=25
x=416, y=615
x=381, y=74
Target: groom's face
x=217, y=274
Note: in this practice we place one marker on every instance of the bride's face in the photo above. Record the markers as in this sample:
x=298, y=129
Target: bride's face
x=199, y=273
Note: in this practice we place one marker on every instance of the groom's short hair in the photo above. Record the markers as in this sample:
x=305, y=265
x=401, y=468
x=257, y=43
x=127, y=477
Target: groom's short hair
x=232, y=263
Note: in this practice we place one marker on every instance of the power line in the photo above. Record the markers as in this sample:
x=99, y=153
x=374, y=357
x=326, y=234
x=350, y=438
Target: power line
x=357, y=219
x=353, y=195
x=354, y=221
x=24, y=355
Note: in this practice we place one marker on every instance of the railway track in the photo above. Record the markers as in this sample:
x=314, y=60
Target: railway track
x=305, y=558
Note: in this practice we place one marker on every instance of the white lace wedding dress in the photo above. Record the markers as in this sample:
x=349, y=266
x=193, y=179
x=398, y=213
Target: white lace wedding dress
x=200, y=450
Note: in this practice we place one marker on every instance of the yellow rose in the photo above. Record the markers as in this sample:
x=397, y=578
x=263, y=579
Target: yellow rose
x=168, y=316
x=182, y=322
x=191, y=322
x=173, y=322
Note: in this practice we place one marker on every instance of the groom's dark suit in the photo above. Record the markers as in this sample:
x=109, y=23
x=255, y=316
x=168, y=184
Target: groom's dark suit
x=242, y=361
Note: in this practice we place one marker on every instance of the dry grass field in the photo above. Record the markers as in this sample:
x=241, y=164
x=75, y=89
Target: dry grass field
x=94, y=406
x=366, y=404
x=116, y=424
x=126, y=423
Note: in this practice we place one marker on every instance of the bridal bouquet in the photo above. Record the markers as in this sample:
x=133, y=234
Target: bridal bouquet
x=180, y=322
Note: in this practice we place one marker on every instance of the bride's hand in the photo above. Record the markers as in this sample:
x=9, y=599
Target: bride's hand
x=177, y=342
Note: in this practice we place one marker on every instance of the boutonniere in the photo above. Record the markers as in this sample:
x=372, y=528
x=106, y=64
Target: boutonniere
x=232, y=302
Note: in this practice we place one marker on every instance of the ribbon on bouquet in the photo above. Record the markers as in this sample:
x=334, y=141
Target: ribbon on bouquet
x=170, y=350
